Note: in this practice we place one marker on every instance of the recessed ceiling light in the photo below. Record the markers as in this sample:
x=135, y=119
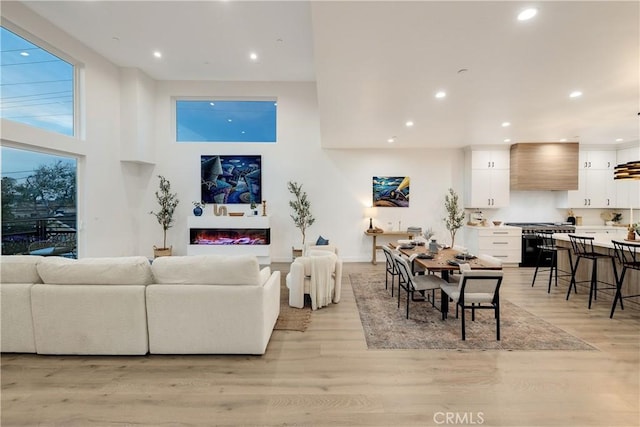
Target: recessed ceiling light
x=24, y=53
x=409, y=124
x=575, y=94
x=506, y=124
x=619, y=139
x=391, y=140
x=563, y=139
x=507, y=140
x=157, y=54
x=253, y=56
x=441, y=94
x=527, y=14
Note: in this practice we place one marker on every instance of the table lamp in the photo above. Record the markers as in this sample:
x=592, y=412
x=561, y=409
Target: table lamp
x=370, y=212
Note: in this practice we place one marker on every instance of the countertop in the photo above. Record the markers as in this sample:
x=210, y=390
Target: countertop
x=602, y=240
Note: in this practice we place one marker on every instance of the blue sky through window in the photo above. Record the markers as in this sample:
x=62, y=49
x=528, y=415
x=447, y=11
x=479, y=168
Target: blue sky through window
x=36, y=87
x=226, y=121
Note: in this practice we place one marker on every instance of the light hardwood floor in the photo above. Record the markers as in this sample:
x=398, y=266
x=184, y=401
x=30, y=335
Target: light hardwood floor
x=326, y=376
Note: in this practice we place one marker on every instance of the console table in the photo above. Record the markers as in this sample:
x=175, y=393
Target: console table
x=384, y=233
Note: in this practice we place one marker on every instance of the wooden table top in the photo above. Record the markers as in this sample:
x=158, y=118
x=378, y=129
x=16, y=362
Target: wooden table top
x=440, y=261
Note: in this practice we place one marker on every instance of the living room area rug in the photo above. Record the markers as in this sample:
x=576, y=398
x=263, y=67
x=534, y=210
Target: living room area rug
x=291, y=318
x=386, y=326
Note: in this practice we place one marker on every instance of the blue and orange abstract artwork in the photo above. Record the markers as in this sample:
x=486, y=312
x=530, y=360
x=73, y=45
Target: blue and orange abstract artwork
x=391, y=191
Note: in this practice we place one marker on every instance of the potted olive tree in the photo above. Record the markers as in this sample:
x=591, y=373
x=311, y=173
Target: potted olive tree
x=167, y=202
x=301, y=216
x=455, y=215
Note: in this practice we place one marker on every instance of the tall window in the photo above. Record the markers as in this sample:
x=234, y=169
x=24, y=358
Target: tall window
x=36, y=87
x=38, y=203
x=225, y=121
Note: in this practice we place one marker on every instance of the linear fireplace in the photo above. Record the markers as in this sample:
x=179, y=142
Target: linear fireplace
x=229, y=236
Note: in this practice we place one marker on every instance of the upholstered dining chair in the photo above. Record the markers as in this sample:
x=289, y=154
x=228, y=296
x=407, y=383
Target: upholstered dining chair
x=390, y=268
x=475, y=288
x=415, y=283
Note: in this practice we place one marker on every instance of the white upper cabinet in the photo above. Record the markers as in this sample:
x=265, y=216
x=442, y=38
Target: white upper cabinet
x=628, y=190
x=600, y=159
x=486, y=179
x=486, y=159
x=596, y=187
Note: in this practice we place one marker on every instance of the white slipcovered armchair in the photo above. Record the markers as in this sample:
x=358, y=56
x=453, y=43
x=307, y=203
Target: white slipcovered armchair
x=317, y=274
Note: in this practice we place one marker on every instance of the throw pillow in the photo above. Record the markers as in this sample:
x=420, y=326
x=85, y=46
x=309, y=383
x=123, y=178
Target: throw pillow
x=322, y=241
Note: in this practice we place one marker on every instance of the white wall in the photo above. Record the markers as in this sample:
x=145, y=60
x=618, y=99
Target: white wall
x=102, y=203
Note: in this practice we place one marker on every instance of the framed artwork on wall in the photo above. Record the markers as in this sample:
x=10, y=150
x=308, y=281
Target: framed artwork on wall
x=391, y=191
x=231, y=179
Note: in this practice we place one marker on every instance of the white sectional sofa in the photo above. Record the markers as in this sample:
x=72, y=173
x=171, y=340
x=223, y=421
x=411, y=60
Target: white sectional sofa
x=18, y=274
x=212, y=304
x=123, y=305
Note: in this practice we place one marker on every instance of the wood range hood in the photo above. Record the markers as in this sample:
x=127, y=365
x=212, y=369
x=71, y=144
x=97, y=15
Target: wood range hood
x=544, y=166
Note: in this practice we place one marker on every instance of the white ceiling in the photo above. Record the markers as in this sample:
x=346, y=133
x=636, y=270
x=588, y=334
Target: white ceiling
x=378, y=64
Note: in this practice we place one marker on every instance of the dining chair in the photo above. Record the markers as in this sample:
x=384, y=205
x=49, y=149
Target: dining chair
x=415, y=283
x=628, y=256
x=583, y=249
x=475, y=288
x=390, y=267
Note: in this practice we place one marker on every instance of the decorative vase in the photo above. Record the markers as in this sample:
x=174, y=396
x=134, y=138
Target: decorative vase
x=197, y=211
x=433, y=246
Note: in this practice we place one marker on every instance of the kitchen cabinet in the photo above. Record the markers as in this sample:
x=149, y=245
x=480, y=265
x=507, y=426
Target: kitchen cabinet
x=596, y=187
x=628, y=190
x=597, y=159
x=504, y=243
x=486, y=179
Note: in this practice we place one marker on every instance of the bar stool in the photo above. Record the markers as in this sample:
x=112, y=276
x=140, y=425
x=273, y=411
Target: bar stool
x=548, y=246
x=628, y=255
x=583, y=248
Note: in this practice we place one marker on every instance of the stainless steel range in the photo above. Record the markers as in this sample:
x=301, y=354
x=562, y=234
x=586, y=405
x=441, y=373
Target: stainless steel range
x=530, y=241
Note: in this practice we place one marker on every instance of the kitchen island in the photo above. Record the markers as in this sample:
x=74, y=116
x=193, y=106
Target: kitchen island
x=602, y=242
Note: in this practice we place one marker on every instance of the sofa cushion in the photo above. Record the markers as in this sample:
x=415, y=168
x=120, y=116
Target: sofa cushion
x=95, y=271
x=19, y=269
x=207, y=270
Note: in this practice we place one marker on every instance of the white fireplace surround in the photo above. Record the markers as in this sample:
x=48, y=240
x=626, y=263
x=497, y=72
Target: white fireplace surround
x=263, y=252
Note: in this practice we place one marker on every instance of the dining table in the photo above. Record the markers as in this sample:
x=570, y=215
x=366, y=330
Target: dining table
x=444, y=262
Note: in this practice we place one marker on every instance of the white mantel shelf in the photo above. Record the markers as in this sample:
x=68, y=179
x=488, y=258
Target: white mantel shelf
x=262, y=252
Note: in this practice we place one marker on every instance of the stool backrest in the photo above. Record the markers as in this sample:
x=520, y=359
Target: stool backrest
x=582, y=245
x=546, y=238
x=628, y=254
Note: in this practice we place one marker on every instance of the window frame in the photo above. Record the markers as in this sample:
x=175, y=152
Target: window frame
x=77, y=76
x=174, y=116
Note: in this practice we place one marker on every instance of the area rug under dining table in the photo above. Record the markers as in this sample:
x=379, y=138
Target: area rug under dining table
x=386, y=327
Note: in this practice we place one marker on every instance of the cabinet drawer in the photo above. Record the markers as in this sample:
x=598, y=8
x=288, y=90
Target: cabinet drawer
x=499, y=232
x=500, y=242
x=506, y=256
